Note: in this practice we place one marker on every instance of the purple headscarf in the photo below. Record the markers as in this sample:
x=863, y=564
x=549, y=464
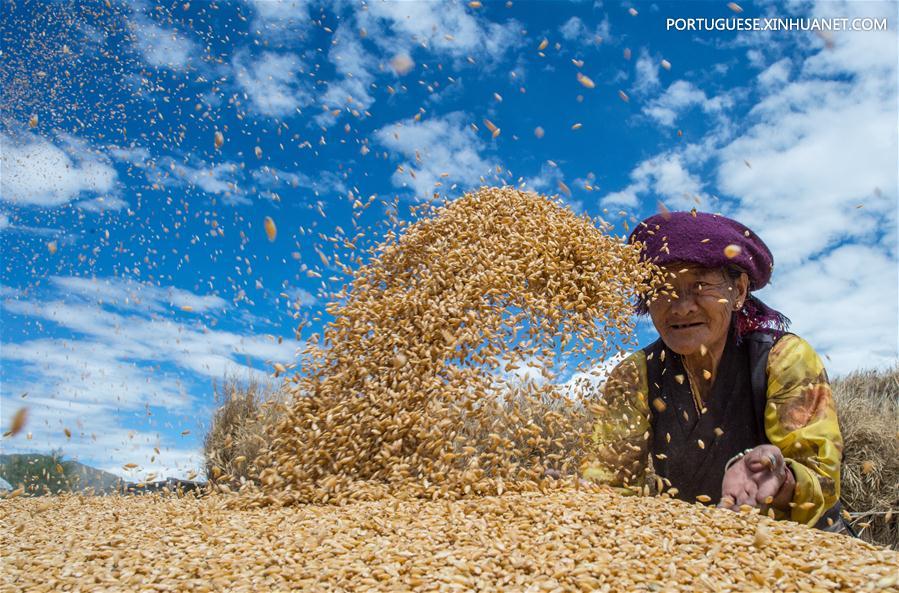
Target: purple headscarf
x=713, y=241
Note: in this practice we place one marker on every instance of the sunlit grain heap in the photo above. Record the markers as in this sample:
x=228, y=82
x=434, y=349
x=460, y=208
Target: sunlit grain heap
x=564, y=541
x=437, y=375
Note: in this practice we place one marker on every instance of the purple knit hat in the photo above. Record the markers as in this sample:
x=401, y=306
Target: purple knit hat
x=713, y=241
x=709, y=240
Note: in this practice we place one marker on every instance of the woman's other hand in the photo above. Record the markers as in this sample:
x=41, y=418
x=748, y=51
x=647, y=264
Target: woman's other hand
x=760, y=478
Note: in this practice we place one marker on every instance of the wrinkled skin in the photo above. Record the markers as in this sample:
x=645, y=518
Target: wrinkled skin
x=760, y=479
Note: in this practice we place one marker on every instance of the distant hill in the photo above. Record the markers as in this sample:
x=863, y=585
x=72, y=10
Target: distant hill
x=80, y=475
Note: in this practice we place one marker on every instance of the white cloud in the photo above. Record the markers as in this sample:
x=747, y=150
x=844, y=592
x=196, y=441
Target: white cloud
x=134, y=155
x=102, y=204
x=647, y=73
x=572, y=28
x=680, y=96
x=439, y=152
x=776, y=74
x=164, y=47
x=280, y=20
x=548, y=181
x=756, y=58
x=219, y=178
x=665, y=176
x=303, y=298
x=273, y=82
x=135, y=337
x=36, y=172
x=356, y=67
x=270, y=177
x=844, y=304
x=327, y=183
x=222, y=178
x=89, y=376
x=133, y=295
x=625, y=198
x=81, y=386
x=819, y=143
x=441, y=27
x=575, y=30
x=4, y=221
x=281, y=9
x=125, y=359
x=817, y=148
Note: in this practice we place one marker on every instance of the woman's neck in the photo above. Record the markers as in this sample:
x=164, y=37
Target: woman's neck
x=702, y=367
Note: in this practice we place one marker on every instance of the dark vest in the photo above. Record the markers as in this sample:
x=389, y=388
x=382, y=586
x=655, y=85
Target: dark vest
x=732, y=422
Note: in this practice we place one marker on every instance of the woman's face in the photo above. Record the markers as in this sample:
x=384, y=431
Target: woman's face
x=696, y=308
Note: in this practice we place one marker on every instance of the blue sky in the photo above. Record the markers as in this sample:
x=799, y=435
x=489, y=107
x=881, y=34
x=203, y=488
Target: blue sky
x=136, y=269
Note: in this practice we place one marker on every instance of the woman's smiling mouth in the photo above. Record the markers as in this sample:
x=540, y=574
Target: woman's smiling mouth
x=686, y=325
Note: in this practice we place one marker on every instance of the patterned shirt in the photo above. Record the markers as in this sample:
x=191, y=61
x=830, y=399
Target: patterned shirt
x=800, y=419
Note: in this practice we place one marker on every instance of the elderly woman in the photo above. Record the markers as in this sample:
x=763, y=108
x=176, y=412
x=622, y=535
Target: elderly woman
x=725, y=406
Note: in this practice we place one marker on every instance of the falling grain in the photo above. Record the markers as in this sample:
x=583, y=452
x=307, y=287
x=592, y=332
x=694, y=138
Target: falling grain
x=271, y=231
x=19, y=419
x=732, y=251
x=430, y=331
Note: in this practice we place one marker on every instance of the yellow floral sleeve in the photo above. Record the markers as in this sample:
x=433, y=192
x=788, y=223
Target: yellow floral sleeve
x=621, y=429
x=801, y=420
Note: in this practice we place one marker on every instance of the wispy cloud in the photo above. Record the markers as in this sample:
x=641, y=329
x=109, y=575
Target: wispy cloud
x=164, y=47
x=356, y=68
x=822, y=189
x=123, y=347
x=224, y=178
x=679, y=98
x=443, y=28
x=844, y=303
x=646, y=73
x=439, y=152
x=136, y=296
x=327, y=183
x=301, y=297
x=576, y=31
x=273, y=82
x=38, y=172
x=666, y=176
x=280, y=20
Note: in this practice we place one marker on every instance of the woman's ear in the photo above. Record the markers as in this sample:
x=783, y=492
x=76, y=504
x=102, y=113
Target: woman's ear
x=742, y=290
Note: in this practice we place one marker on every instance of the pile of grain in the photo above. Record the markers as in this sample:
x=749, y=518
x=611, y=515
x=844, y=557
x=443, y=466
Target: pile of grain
x=417, y=386
x=408, y=422
x=562, y=541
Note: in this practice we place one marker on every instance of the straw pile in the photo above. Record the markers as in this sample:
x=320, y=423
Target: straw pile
x=868, y=409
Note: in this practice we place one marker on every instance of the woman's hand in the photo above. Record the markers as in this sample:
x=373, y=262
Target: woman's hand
x=759, y=478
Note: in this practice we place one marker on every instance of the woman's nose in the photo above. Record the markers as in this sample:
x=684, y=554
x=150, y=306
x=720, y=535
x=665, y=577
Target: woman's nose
x=683, y=304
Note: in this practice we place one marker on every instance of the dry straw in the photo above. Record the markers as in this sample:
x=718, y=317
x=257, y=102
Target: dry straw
x=868, y=409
